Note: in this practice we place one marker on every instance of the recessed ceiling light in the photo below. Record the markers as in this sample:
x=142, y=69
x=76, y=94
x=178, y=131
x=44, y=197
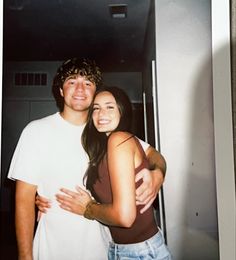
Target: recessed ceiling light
x=118, y=10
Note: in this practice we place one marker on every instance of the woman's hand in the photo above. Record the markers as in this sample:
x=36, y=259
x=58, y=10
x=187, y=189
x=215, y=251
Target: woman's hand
x=74, y=202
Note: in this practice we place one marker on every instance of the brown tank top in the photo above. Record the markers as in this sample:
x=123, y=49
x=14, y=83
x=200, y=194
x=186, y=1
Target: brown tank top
x=144, y=225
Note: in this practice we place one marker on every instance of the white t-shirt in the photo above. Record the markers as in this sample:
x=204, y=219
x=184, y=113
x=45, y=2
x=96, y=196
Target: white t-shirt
x=49, y=154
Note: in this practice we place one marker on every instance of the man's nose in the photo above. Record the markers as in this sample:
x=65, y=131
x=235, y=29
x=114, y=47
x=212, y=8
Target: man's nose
x=79, y=86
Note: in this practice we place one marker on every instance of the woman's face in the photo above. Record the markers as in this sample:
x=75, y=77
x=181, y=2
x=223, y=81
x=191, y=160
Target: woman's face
x=106, y=114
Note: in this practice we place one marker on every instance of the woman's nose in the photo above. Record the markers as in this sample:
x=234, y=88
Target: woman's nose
x=102, y=112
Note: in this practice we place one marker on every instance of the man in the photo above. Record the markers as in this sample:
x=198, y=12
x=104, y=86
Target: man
x=49, y=156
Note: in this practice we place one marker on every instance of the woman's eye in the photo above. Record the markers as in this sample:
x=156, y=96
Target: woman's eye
x=95, y=108
x=110, y=107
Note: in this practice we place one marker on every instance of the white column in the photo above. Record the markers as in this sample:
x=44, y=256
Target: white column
x=225, y=176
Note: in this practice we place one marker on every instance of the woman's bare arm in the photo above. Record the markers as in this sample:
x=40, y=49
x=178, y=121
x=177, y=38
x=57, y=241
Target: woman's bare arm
x=122, y=210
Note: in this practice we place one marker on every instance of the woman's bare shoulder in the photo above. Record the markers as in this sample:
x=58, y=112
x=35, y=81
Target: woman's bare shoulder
x=119, y=137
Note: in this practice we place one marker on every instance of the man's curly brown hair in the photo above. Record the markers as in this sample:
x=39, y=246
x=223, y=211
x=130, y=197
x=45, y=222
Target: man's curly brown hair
x=82, y=67
x=75, y=66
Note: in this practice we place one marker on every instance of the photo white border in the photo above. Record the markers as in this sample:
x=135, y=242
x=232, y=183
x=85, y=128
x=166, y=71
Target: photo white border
x=223, y=120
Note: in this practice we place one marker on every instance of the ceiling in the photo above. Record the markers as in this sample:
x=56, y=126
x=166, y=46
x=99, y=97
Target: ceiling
x=55, y=30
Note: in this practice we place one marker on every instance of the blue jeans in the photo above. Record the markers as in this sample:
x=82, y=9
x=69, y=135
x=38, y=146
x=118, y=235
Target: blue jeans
x=152, y=248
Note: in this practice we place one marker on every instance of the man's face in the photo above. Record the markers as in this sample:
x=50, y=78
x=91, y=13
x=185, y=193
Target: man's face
x=78, y=93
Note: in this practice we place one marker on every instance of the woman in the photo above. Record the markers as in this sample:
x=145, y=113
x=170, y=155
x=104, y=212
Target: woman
x=115, y=157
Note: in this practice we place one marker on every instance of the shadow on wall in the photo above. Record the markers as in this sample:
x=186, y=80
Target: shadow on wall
x=199, y=238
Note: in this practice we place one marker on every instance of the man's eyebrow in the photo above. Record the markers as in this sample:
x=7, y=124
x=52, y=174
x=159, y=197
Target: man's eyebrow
x=71, y=77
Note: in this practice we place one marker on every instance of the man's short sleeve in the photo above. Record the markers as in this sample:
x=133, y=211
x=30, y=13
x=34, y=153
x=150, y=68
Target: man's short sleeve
x=25, y=163
x=144, y=145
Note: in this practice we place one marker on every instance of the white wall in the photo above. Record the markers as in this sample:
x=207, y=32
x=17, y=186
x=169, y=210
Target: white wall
x=186, y=127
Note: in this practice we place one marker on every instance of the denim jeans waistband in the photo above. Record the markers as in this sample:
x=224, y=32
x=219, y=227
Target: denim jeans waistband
x=157, y=239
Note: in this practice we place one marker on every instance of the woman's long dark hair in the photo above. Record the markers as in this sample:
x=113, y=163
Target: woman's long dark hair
x=94, y=142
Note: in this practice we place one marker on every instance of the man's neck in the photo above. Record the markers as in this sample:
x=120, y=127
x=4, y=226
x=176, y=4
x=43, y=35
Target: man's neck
x=75, y=117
